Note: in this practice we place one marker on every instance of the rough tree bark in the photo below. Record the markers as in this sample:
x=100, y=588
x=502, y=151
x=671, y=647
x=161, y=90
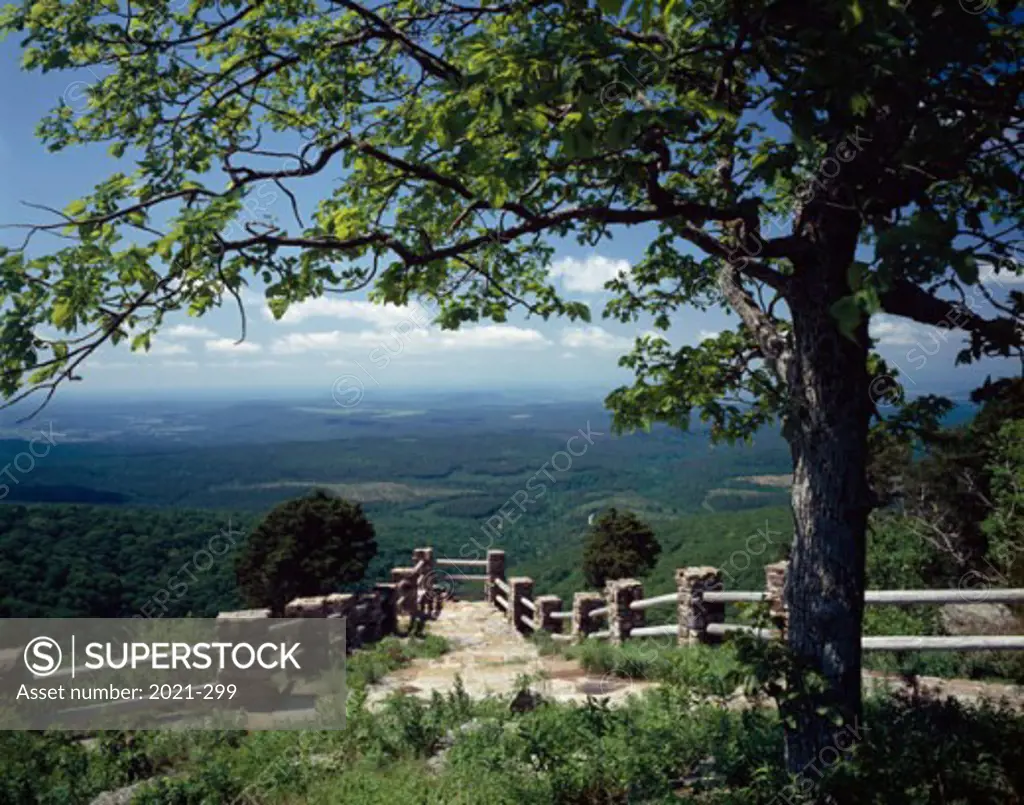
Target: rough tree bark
x=827, y=428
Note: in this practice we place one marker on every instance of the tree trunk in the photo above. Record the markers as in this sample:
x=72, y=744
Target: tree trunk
x=827, y=428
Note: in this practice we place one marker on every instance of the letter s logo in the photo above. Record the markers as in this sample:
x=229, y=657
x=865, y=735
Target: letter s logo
x=42, y=656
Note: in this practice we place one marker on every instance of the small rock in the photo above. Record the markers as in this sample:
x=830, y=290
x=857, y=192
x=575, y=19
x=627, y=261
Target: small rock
x=525, y=701
x=978, y=619
x=440, y=759
x=120, y=796
x=436, y=763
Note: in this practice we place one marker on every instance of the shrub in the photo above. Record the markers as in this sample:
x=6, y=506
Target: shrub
x=370, y=664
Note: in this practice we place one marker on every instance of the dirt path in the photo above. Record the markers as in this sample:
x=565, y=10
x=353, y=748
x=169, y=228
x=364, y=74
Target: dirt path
x=491, y=658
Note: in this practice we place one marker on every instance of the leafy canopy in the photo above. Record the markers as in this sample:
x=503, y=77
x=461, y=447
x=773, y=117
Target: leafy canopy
x=457, y=140
x=308, y=546
x=961, y=489
x=619, y=546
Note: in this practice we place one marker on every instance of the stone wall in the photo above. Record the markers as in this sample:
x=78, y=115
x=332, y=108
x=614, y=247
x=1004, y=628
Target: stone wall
x=369, y=616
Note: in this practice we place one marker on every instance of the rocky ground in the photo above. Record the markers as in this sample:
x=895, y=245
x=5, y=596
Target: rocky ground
x=492, y=658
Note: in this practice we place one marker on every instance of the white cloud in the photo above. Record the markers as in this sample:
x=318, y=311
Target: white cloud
x=593, y=337
x=324, y=341
x=97, y=364
x=487, y=336
x=180, y=364
x=894, y=331
x=168, y=349
x=1004, y=275
x=189, y=331
x=331, y=307
x=229, y=345
x=262, y=363
x=704, y=335
x=589, y=275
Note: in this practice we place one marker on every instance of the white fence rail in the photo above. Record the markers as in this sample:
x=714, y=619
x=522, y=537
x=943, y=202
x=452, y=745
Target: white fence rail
x=658, y=600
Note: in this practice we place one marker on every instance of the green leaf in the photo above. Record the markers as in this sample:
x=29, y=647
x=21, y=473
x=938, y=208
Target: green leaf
x=612, y=7
x=855, y=275
x=848, y=315
x=63, y=314
x=854, y=13
x=966, y=268
x=278, y=305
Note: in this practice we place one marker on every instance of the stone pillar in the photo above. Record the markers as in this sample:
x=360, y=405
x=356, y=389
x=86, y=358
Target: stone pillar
x=389, y=616
x=374, y=616
x=338, y=603
x=775, y=586
x=230, y=627
x=695, y=614
x=495, y=570
x=520, y=587
x=546, y=604
x=405, y=588
x=620, y=593
x=582, y=605
x=308, y=607
x=425, y=581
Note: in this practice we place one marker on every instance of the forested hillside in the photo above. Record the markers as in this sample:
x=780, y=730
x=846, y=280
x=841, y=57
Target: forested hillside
x=437, y=488
x=104, y=561
x=440, y=486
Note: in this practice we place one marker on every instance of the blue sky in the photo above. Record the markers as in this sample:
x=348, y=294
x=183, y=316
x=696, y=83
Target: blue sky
x=346, y=340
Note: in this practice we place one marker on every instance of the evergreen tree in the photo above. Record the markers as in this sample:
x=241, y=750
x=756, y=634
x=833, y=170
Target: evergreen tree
x=308, y=546
x=619, y=546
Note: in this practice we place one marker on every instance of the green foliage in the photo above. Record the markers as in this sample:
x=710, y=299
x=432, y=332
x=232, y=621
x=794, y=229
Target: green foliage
x=109, y=562
x=739, y=542
x=663, y=747
x=467, y=143
x=372, y=663
x=923, y=750
x=46, y=768
x=898, y=558
x=957, y=487
x=1004, y=526
x=600, y=117
x=308, y=546
x=705, y=671
x=619, y=546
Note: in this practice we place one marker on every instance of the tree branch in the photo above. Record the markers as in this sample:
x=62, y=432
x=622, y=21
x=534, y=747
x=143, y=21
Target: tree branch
x=773, y=344
x=913, y=302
